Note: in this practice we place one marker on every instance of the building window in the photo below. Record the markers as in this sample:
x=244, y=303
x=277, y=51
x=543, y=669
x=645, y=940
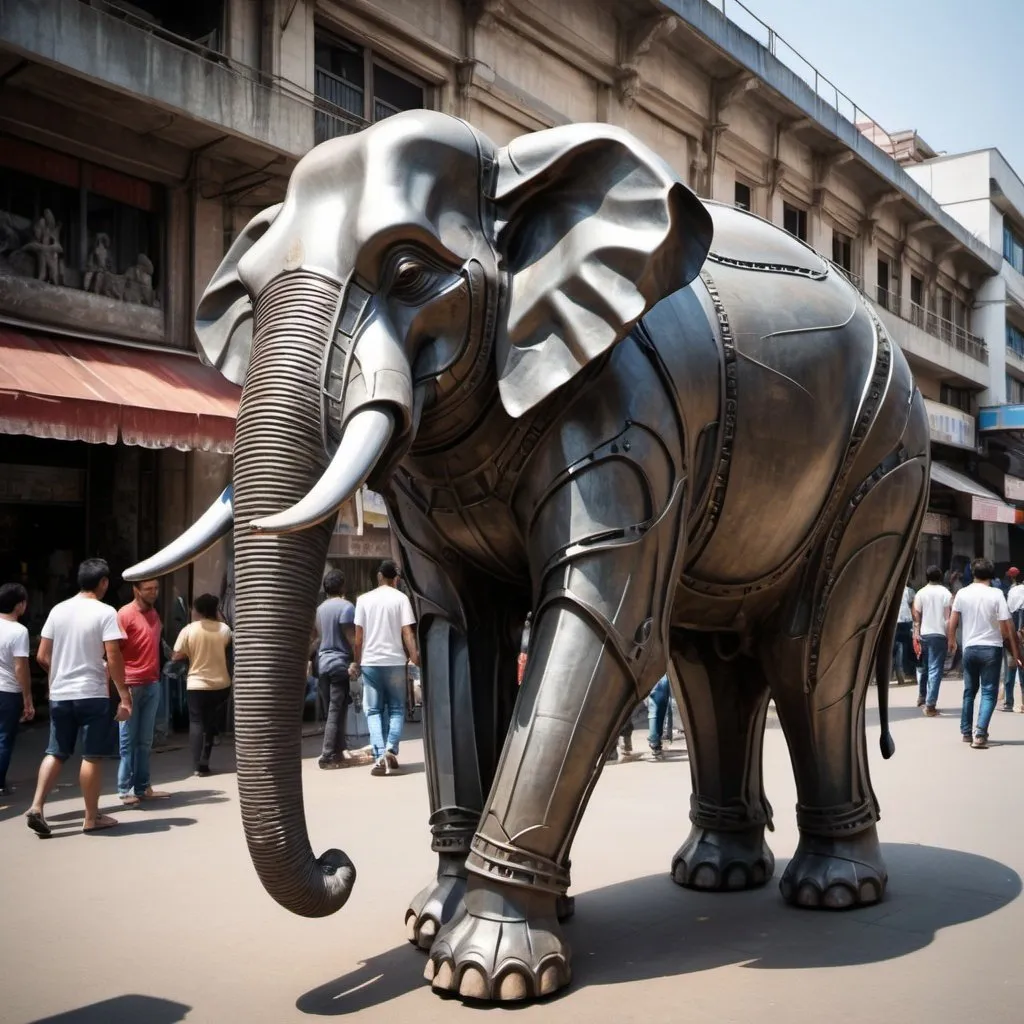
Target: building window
x=741, y=196
x=199, y=23
x=794, y=220
x=354, y=88
x=1013, y=247
x=959, y=398
x=1014, y=391
x=1015, y=340
x=842, y=250
x=69, y=223
x=887, y=283
x=917, y=310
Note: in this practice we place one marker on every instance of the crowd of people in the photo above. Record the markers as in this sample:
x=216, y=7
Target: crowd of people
x=104, y=672
x=979, y=621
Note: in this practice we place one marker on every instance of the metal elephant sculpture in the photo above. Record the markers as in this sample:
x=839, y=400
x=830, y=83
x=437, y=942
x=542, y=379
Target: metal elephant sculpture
x=667, y=428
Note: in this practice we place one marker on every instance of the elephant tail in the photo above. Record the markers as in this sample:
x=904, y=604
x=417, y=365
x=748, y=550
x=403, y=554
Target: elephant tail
x=883, y=672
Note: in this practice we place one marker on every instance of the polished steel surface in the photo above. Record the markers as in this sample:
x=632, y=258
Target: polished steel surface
x=666, y=428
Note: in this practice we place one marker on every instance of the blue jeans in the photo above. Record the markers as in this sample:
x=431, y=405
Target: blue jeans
x=933, y=661
x=656, y=712
x=1009, y=678
x=384, y=694
x=136, y=735
x=11, y=707
x=981, y=670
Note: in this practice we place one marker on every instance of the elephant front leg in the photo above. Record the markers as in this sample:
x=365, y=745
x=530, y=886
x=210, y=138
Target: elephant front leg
x=724, y=703
x=581, y=682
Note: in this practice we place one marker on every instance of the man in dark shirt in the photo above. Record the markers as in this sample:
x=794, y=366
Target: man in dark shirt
x=335, y=632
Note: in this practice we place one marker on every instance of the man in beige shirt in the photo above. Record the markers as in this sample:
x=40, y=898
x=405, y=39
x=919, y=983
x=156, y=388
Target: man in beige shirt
x=205, y=643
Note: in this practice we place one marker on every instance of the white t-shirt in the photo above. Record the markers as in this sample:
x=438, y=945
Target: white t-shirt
x=905, y=614
x=13, y=644
x=382, y=613
x=1015, y=598
x=78, y=628
x=981, y=609
x=932, y=601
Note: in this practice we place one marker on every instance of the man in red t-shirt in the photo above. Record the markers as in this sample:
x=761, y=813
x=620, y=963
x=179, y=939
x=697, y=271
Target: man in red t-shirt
x=140, y=648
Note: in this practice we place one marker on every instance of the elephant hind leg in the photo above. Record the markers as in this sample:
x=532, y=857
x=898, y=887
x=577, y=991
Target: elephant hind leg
x=819, y=659
x=724, y=703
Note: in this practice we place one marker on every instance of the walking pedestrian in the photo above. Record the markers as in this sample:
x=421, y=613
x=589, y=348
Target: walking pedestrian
x=1015, y=603
x=986, y=625
x=902, y=649
x=335, y=635
x=77, y=635
x=140, y=623
x=384, y=642
x=931, y=609
x=204, y=643
x=657, y=709
x=15, y=679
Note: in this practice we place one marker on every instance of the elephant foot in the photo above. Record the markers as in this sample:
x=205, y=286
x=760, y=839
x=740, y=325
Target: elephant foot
x=835, y=874
x=436, y=904
x=723, y=861
x=505, y=945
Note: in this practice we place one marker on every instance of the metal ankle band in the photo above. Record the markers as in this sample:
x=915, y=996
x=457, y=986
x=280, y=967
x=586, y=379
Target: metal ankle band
x=516, y=867
x=452, y=829
x=735, y=817
x=836, y=822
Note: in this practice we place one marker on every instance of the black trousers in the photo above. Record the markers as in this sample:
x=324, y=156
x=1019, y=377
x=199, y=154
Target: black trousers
x=333, y=686
x=206, y=710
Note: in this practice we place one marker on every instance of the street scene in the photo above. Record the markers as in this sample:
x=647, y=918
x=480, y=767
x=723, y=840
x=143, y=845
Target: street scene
x=510, y=507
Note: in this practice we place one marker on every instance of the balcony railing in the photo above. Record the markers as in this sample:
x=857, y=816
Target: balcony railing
x=339, y=106
x=931, y=323
x=850, y=276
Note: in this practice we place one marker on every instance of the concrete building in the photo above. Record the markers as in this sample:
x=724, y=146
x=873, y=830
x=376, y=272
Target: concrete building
x=155, y=128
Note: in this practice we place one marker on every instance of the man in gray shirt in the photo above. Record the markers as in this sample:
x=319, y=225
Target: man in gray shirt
x=335, y=632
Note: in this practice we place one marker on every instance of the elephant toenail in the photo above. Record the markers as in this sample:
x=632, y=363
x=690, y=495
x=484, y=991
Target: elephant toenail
x=758, y=874
x=679, y=872
x=808, y=896
x=429, y=970
x=473, y=984
x=870, y=892
x=705, y=877
x=443, y=979
x=428, y=930
x=550, y=980
x=838, y=897
x=736, y=877
x=410, y=927
x=513, y=986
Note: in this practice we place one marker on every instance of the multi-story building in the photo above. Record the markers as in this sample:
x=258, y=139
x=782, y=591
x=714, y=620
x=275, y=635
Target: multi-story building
x=137, y=137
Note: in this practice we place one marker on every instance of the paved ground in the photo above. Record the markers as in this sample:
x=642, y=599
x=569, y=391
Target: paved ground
x=163, y=920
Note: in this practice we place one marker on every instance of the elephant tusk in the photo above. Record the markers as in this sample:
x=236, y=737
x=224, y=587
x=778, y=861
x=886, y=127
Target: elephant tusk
x=363, y=441
x=213, y=524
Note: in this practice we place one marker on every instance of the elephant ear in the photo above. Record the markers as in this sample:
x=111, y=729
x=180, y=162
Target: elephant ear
x=593, y=229
x=224, y=316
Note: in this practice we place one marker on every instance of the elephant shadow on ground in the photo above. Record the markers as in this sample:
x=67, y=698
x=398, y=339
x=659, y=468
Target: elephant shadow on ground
x=128, y=1009
x=648, y=928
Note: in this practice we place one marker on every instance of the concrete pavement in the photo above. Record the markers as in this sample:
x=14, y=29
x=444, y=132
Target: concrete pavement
x=163, y=920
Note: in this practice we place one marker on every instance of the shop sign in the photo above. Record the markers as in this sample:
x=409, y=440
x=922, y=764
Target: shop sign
x=950, y=426
x=373, y=545
x=41, y=485
x=936, y=523
x=1013, y=488
x=988, y=510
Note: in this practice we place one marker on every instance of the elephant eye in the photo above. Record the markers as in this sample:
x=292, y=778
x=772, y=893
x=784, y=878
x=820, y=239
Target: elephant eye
x=410, y=280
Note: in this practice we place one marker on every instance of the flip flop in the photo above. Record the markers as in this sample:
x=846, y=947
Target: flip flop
x=103, y=822
x=36, y=822
x=130, y=801
x=155, y=794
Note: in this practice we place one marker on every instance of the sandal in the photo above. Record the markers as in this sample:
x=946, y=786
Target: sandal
x=36, y=822
x=103, y=822
x=155, y=794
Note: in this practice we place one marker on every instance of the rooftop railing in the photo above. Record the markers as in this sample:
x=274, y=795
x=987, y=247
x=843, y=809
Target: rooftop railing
x=953, y=334
x=741, y=16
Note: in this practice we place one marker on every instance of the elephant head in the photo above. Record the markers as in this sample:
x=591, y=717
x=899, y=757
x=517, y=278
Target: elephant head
x=401, y=256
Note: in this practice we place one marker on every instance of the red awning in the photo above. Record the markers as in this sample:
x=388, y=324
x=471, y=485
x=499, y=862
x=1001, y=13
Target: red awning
x=82, y=391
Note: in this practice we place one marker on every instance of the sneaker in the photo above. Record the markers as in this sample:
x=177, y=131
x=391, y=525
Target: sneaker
x=330, y=763
x=966, y=737
x=931, y=712
x=356, y=758
x=1004, y=707
x=380, y=766
x=392, y=763
x=920, y=702
x=202, y=771
x=980, y=742
x=657, y=754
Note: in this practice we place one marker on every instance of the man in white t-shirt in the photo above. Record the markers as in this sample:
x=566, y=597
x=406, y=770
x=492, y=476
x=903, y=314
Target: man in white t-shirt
x=76, y=637
x=931, y=623
x=1015, y=602
x=384, y=642
x=986, y=626
x=15, y=679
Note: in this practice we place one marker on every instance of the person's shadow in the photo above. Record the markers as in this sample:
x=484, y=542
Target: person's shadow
x=649, y=928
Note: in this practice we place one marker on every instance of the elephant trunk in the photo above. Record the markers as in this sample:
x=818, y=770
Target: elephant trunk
x=278, y=456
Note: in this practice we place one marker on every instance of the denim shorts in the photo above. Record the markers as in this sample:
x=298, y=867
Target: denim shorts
x=89, y=717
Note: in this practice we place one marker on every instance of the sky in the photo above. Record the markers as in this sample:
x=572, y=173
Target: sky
x=952, y=69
